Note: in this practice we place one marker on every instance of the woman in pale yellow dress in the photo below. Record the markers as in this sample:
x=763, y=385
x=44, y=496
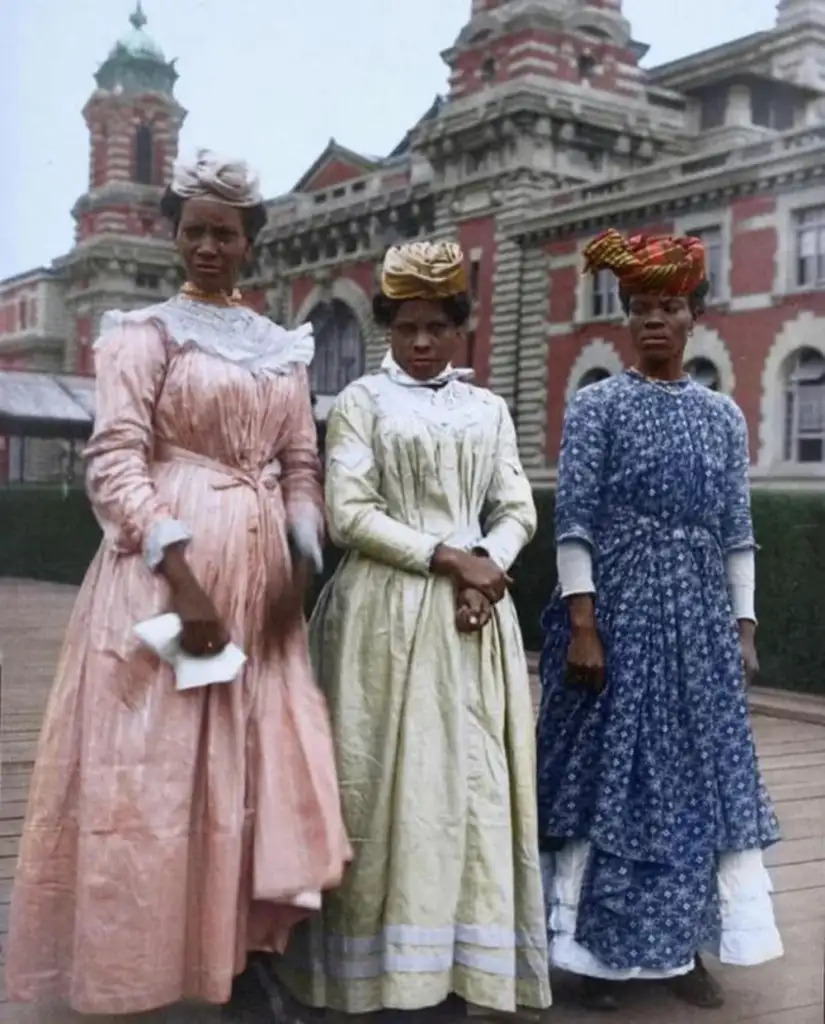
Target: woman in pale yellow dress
x=171, y=833
x=417, y=647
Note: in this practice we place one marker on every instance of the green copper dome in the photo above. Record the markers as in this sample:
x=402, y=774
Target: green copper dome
x=136, y=63
x=137, y=42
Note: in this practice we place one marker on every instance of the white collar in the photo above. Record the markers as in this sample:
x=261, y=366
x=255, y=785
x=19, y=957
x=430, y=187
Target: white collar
x=449, y=374
x=234, y=333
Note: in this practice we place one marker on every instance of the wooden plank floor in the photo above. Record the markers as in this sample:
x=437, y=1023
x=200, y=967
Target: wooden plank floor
x=790, y=991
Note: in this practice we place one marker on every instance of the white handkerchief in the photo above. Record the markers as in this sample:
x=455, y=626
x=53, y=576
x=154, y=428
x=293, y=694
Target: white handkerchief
x=162, y=635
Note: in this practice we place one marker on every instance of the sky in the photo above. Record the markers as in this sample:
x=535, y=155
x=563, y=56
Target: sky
x=266, y=80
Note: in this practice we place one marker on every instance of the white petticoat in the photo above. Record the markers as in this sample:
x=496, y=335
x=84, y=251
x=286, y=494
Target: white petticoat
x=749, y=935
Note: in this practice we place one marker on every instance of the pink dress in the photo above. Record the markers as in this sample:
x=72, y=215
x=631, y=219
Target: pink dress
x=168, y=833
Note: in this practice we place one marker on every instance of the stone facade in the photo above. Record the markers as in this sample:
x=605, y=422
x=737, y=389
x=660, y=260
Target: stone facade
x=549, y=132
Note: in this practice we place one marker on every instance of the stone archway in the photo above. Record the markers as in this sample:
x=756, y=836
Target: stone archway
x=707, y=345
x=598, y=355
x=805, y=331
x=344, y=290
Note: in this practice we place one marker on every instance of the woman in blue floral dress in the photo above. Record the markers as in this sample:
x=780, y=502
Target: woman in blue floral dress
x=652, y=813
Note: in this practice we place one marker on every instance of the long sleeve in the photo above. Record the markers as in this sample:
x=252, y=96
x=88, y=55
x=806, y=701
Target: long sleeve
x=740, y=569
x=301, y=473
x=356, y=512
x=737, y=525
x=130, y=364
x=510, y=521
x=574, y=565
x=581, y=467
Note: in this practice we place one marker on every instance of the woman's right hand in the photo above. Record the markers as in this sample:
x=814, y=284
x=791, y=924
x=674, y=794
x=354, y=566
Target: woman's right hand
x=471, y=572
x=203, y=632
x=585, y=659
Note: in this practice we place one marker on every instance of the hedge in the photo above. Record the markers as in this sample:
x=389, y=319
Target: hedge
x=47, y=535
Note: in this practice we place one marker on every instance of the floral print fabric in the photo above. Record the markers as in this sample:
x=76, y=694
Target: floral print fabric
x=659, y=772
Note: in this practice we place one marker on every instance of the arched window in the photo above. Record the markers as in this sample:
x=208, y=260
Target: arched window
x=704, y=372
x=339, y=348
x=593, y=377
x=144, y=155
x=805, y=407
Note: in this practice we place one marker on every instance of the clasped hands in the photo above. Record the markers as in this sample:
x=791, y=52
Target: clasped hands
x=479, y=584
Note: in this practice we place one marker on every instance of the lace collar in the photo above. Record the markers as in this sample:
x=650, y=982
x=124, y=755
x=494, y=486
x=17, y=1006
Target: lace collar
x=449, y=374
x=234, y=333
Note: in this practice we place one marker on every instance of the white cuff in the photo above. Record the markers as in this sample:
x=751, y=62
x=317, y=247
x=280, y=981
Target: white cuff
x=305, y=536
x=505, y=542
x=163, y=535
x=740, y=569
x=574, y=564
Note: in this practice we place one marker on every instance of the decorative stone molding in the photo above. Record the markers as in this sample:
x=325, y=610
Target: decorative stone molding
x=706, y=343
x=805, y=331
x=346, y=291
x=597, y=355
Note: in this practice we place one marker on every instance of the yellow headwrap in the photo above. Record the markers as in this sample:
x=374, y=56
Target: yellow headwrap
x=424, y=270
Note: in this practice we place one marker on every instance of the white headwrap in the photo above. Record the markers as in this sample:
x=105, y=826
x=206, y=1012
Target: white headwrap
x=230, y=181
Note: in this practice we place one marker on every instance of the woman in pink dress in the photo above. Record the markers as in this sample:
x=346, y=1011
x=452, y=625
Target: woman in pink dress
x=171, y=833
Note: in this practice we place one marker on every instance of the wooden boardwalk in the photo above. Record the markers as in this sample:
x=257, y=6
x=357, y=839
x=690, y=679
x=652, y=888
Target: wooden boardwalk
x=790, y=991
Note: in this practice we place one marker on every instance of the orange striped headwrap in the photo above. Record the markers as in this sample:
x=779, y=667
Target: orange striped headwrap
x=661, y=264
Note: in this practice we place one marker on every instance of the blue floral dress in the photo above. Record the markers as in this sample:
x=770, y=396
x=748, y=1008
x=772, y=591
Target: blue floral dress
x=650, y=798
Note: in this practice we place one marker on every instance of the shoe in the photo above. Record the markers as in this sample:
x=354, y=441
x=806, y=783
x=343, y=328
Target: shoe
x=257, y=998
x=698, y=988
x=600, y=995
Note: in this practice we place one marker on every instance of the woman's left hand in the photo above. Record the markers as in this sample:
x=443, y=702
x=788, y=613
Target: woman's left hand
x=473, y=611
x=285, y=604
x=747, y=642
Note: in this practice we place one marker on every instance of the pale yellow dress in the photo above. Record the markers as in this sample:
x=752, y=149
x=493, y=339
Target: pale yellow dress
x=433, y=729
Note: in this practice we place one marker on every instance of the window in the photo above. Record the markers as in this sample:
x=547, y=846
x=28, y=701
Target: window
x=704, y=372
x=593, y=376
x=586, y=65
x=772, y=106
x=339, y=348
x=605, y=295
x=488, y=70
x=805, y=408
x=147, y=280
x=22, y=315
x=713, y=109
x=144, y=156
x=809, y=247
x=712, y=238
x=475, y=278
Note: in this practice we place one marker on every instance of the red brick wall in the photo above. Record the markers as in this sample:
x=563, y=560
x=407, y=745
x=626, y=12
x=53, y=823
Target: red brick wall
x=753, y=252
x=362, y=274
x=554, y=54
x=749, y=337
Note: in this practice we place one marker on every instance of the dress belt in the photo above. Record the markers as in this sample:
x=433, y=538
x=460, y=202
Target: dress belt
x=267, y=478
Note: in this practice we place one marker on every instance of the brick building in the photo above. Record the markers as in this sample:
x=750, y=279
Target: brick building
x=549, y=132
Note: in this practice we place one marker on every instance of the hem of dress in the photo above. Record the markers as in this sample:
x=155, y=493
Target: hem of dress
x=407, y=994
x=748, y=937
